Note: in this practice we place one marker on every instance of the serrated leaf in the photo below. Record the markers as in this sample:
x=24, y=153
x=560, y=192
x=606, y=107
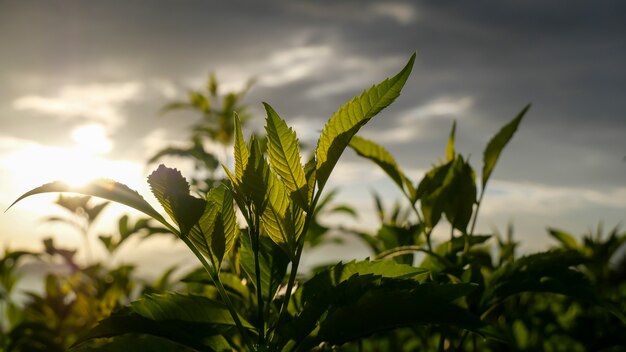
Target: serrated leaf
x=284, y=155
x=107, y=189
x=497, y=144
x=171, y=189
x=121, y=330
x=419, y=306
x=218, y=224
x=346, y=122
x=379, y=155
x=241, y=152
x=185, y=307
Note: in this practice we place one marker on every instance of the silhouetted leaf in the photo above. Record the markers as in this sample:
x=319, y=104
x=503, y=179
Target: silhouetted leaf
x=106, y=189
x=497, y=144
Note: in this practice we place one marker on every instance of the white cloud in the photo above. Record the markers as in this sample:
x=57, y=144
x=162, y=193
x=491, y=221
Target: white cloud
x=538, y=199
x=440, y=107
x=293, y=64
x=408, y=126
x=403, y=13
x=91, y=102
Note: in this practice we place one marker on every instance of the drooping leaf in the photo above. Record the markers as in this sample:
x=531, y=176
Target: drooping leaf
x=127, y=331
x=422, y=305
x=284, y=155
x=461, y=188
x=107, y=189
x=346, y=122
x=497, y=144
x=379, y=155
x=184, y=307
x=431, y=192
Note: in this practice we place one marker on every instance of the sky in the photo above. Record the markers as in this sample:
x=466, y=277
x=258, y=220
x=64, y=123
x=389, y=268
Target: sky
x=82, y=83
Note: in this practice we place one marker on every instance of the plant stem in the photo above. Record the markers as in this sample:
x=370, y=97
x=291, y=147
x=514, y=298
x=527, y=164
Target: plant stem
x=214, y=275
x=255, y=241
x=296, y=261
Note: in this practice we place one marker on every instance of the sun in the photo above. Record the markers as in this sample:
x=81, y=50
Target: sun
x=85, y=160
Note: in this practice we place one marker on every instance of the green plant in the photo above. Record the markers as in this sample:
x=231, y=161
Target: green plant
x=249, y=295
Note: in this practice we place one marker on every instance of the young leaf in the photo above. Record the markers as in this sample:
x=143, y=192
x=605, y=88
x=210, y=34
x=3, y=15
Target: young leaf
x=450, y=152
x=497, y=144
x=346, y=122
x=219, y=226
x=284, y=154
x=241, y=152
x=107, y=189
x=379, y=155
x=568, y=241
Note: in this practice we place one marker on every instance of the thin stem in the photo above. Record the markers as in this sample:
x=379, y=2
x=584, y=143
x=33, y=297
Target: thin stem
x=296, y=260
x=254, y=238
x=213, y=274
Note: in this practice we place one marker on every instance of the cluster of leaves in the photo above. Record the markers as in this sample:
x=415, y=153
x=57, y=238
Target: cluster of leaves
x=415, y=295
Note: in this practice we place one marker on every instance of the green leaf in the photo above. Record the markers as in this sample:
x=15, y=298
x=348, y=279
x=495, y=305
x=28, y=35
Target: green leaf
x=461, y=191
x=425, y=304
x=127, y=331
x=497, y=144
x=184, y=307
x=346, y=122
x=450, y=152
x=379, y=155
x=106, y=189
x=241, y=152
x=431, y=193
x=219, y=224
x=568, y=241
x=171, y=189
x=284, y=155
x=272, y=263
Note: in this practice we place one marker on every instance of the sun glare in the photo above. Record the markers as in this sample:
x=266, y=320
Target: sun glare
x=92, y=138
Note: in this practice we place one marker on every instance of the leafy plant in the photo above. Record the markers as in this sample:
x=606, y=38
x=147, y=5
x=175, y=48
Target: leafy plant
x=249, y=294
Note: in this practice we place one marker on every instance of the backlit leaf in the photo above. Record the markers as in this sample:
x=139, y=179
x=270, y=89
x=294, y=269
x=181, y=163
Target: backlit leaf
x=379, y=155
x=284, y=155
x=241, y=151
x=346, y=122
x=106, y=189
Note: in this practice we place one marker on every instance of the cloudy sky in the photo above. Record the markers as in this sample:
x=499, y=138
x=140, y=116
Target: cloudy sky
x=82, y=82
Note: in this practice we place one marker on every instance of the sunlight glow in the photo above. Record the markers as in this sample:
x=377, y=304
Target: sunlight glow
x=92, y=138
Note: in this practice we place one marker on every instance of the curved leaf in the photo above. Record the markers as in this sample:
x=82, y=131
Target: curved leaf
x=103, y=188
x=284, y=154
x=379, y=155
x=346, y=122
x=189, y=308
x=132, y=332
